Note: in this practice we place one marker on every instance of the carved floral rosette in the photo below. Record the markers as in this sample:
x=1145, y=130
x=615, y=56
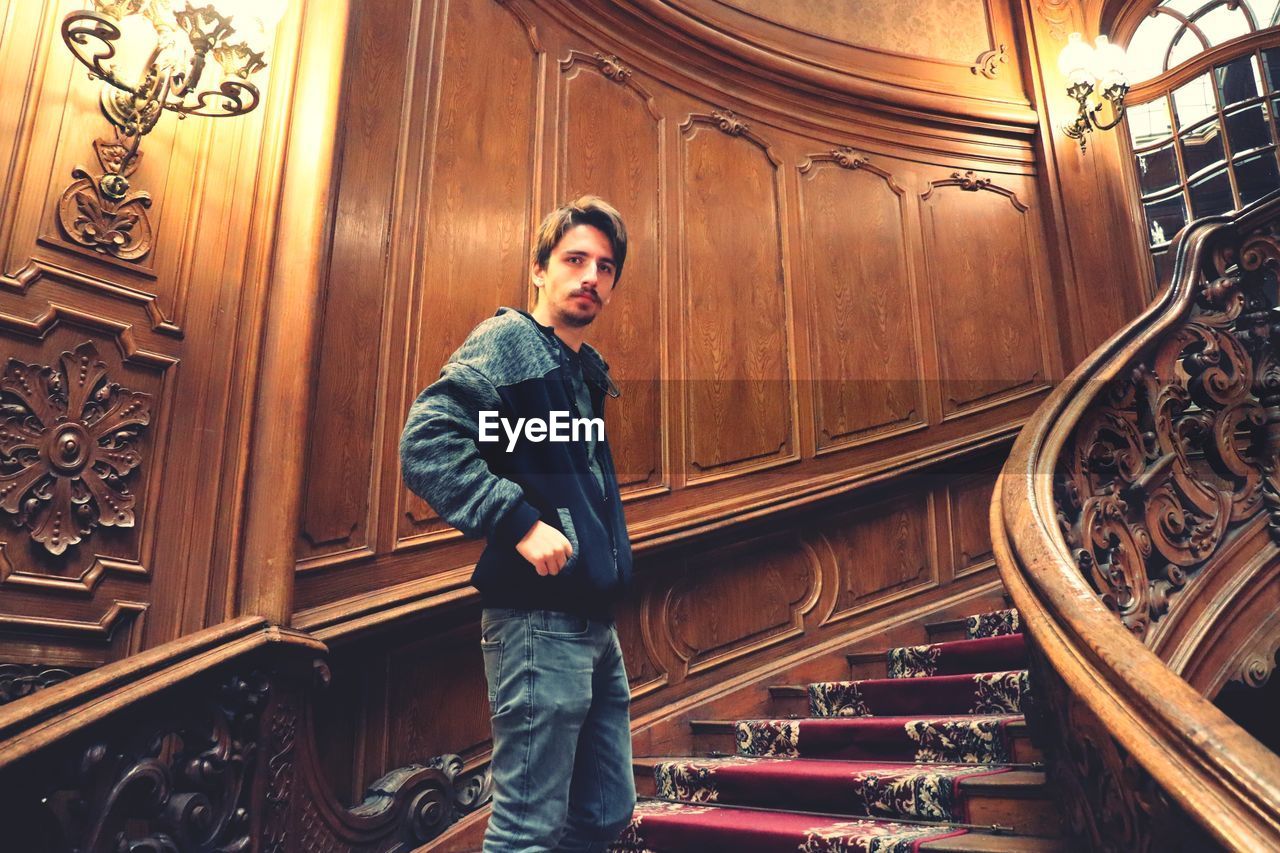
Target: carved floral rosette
x=68, y=444
x=1179, y=450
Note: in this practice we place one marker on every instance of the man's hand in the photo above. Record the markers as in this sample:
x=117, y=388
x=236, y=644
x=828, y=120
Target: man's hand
x=546, y=548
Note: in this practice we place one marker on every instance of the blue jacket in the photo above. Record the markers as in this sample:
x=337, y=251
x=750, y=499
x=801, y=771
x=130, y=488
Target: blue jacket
x=510, y=365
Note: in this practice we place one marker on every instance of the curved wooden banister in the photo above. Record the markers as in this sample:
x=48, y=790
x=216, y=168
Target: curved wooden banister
x=1148, y=472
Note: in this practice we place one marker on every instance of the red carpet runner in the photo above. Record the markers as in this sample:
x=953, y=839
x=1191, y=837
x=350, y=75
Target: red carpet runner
x=882, y=759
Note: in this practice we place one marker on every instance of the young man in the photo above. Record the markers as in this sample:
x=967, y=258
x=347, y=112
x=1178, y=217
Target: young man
x=558, y=556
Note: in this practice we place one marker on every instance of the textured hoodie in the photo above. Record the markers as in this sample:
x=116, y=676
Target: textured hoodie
x=509, y=365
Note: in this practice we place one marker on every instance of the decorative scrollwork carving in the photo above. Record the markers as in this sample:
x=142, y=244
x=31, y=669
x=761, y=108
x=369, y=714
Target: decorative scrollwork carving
x=988, y=64
x=1183, y=447
x=612, y=67
x=970, y=182
x=18, y=680
x=99, y=212
x=176, y=786
x=846, y=158
x=67, y=446
x=727, y=121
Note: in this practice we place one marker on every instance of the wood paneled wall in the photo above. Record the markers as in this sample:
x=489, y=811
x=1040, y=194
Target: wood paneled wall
x=821, y=297
x=164, y=340
x=800, y=306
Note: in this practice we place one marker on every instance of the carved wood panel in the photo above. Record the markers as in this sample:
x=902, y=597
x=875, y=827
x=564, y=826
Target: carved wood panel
x=437, y=699
x=987, y=290
x=738, y=360
x=969, y=504
x=612, y=144
x=739, y=599
x=191, y=300
x=484, y=149
x=882, y=551
x=862, y=308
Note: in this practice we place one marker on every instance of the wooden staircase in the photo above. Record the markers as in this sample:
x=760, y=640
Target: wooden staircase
x=782, y=795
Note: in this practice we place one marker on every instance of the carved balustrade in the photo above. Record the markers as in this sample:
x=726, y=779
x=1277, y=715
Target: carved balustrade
x=1138, y=513
x=205, y=744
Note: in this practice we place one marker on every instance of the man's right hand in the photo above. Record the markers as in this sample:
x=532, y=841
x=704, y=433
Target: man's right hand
x=546, y=548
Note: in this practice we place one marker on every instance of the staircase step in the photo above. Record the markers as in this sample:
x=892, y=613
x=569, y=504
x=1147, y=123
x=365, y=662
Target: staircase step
x=993, y=738
x=947, y=629
x=665, y=827
x=932, y=792
x=789, y=700
x=958, y=657
x=994, y=624
x=930, y=696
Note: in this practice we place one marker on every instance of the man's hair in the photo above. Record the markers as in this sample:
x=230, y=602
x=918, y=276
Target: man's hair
x=587, y=210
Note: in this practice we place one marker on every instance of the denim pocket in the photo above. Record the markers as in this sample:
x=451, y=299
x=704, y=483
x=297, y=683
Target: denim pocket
x=492, y=651
x=562, y=625
x=570, y=533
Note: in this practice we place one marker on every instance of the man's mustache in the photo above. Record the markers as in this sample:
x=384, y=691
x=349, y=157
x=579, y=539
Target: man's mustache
x=588, y=293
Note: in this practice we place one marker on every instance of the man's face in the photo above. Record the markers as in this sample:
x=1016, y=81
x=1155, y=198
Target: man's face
x=578, y=279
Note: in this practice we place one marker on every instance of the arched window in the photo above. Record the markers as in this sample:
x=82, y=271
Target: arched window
x=1203, y=121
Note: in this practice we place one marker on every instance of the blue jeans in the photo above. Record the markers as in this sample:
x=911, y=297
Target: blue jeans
x=560, y=710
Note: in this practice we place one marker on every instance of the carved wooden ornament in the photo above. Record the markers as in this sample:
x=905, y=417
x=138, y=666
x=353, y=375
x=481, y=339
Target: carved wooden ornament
x=100, y=213
x=67, y=446
x=1180, y=449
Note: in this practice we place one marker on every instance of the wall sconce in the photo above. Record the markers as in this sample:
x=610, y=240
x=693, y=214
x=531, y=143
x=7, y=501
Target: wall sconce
x=99, y=211
x=1090, y=70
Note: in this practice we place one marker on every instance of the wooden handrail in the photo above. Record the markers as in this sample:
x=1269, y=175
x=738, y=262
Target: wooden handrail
x=1106, y=509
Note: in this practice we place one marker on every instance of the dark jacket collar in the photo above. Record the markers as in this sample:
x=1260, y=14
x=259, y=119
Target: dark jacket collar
x=594, y=367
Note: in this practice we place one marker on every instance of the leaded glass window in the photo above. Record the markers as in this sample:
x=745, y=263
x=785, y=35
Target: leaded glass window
x=1206, y=145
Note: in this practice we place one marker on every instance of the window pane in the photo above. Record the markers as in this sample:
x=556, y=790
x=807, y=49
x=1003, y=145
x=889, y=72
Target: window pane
x=1164, y=219
x=1194, y=101
x=1157, y=170
x=1201, y=147
x=1256, y=176
x=1264, y=12
x=1147, y=47
x=1223, y=24
x=1149, y=122
x=1248, y=129
x=1238, y=81
x=1212, y=195
x=1271, y=68
x=1185, y=47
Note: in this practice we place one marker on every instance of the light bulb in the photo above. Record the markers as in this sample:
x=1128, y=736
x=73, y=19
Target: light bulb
x=1110, y=63
x=1075, y=60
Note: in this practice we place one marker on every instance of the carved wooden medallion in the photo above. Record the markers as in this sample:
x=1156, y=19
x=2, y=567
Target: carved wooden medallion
x=68, y=443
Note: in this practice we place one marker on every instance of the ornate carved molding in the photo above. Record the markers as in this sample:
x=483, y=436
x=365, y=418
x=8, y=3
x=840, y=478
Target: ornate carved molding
x=1182, y=448
x=729, y=123
x=99, y=212
x=23, y=679
x=1057, y=14
x=206, y=765
x=970, y=182
x=988, y=64
x=846, y=158
x=612, y=67
x=67, y=447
